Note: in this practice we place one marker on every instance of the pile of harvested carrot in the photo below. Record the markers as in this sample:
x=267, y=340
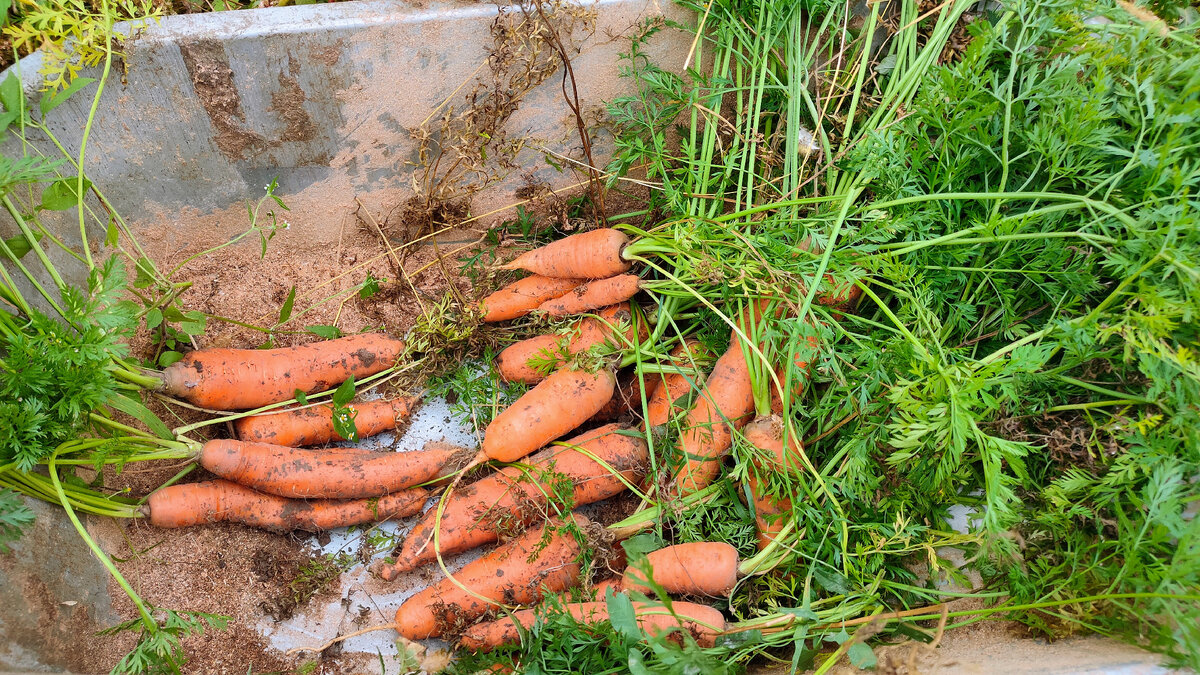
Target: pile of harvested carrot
x=267, y=479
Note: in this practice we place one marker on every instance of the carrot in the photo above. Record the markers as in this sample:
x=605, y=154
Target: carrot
x=222, y=501
x=543, y=559
x=514, y=362
x=587, y=255
x=240, y=379
x=612, y=325
x=523, y=296
x=766, y=433
x=314, y=426
x=699, y=568
x=661, y=404
x=726, y=400
x=701, y=622
x=593, y=295
x=328, y=474
x=560, y=403
x=516, y=496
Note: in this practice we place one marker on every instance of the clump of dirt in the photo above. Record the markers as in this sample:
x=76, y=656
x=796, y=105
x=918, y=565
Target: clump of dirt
x=1069, y=438
x=306, y=581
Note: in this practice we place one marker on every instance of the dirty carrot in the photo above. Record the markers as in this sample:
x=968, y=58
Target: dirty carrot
x=593, y=295
x=560, y=403
x=588, y=255
x=726, y=400
x=703, y=623
x=241, y=379
x=523, y=296
x=671, y=388
x=514, y=362
x=325, y=474
x=516, y=496
x=314, y=425
x=608, y=327
x=766, y=433
x=218, y=501
x=543, y=559
x=699, y=568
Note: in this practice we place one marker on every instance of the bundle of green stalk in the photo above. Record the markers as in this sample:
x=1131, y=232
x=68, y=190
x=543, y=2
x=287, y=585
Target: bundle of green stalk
x=1021, y=225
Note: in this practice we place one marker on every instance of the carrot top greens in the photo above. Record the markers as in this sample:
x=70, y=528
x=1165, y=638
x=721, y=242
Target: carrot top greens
x=1012, y=188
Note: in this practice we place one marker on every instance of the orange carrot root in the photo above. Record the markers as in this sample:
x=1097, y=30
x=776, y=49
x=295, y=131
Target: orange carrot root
x=593, y=295
x=560, y=403
x=543, y=559
x=515, y=496
x=625, y=398
x=727, y=400
x=514, y=363
x=662, y=404
x=701, y=622
x=770, y=512
x=326, y=474
x=217, y=501
x=314, y=426
x=587, y=255
x=241, y=379
x=700, y=568
x=803, y=359
x=523, y=296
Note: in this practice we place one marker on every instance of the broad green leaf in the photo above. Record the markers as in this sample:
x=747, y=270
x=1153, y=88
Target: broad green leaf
x=53, y=99
x=7, y=119
x=861, y=655
x=622, y=616
x=61, y=195
x=370, y=287
x=641, y=544
x=11, y=94
x=740, y=638
x=636, y=665
x=285, y=312
x=800, y=612
x=139, y=412
x=195, y=323
x=19, y=245
x=154, y=317
x=301, y=397
x=168, y=357
x=344, y=393
x=145, y=276
x=112, y=234
x=830, y=580
x=327, y=332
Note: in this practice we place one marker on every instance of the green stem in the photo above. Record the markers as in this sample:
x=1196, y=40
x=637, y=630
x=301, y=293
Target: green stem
x=87, y=131
x=33, y=242
x=148, y=621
